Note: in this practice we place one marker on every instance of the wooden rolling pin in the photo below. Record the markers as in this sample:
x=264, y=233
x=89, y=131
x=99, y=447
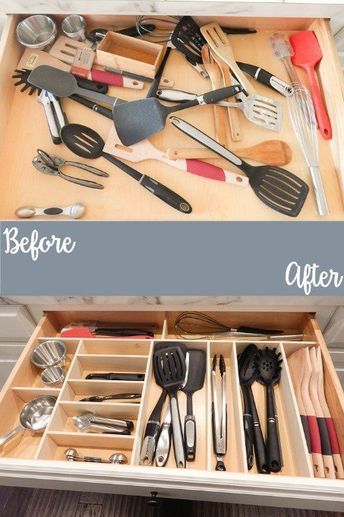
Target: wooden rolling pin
x=271, y=152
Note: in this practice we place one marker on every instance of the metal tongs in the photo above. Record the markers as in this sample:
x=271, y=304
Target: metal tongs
x=219, y=413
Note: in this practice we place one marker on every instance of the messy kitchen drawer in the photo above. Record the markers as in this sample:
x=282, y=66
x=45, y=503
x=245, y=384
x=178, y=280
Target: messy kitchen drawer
x=23, y=129
x=41, y=458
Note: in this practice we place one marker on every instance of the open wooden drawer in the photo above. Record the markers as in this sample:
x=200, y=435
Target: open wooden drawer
x=39, y=460
x=23, y=130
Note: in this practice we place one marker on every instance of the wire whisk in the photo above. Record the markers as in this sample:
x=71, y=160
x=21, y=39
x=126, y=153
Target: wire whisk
x=302, y=116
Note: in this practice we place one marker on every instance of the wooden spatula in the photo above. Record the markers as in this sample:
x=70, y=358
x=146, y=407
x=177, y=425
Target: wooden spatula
x=233, y=115
x=296, y=370
x=318, y=463
x=219, y=43
x=338, y=465
x=220, y=113
x=272, y=152
x=325, y=440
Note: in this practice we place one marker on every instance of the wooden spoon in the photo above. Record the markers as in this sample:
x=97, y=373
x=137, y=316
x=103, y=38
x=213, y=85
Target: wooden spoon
x=325, y=440
x=318, y=463
x=271, y=152
x=338, y=465
x=296, y=370
x=220, y=113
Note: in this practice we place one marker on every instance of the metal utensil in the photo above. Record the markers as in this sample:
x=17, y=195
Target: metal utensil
x=117, y=396
x=163, y=445
x=253, y=432
x=219, y=413
x=194, y=382
x=278, y=188
x=36, y=32
x=85, y=142
x=63, y=84
x=302, y=116
x=116, y=422
x=34, y=416
x=259, y=110
x=49, y=353
x=74, y=26
x=263, y=76
x=169, y=371
x=49, y=114
x=75, y=211
x=152, y=432
x=269, y=373
x=136, y=377
x=53, y=376
x=116, y=458
x=85, y=425
x=52, y=165
x=137, y=120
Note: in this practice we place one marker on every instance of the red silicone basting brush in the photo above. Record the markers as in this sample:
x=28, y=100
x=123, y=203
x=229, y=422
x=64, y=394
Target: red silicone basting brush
x=307, y=54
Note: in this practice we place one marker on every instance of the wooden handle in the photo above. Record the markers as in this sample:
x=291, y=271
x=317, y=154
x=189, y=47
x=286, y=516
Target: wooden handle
x=233, y=114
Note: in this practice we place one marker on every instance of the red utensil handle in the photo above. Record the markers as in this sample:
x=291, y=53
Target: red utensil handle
x=207, y=170
x=106, y=77
x=319, y=106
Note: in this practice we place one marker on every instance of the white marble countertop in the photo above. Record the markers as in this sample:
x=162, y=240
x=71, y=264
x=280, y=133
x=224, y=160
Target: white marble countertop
x=316, y=8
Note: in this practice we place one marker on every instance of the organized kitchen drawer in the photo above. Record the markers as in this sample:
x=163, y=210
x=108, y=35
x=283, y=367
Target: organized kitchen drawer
x=76, y=449
x=23, y=130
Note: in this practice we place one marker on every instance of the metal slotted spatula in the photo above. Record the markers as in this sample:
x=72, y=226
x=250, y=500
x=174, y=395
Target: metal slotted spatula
x=170, y=370
x=275, y=187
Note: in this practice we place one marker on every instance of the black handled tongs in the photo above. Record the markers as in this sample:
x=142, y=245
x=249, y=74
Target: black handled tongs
x=219, y=413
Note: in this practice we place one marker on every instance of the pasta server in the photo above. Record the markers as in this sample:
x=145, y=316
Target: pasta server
x=277, y=188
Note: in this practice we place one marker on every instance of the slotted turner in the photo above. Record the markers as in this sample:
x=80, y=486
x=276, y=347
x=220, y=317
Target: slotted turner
x=277, y=188
x=170, y=370
x=259, y=110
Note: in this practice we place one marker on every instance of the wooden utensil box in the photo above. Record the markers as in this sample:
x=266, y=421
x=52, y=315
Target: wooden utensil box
x=130, y=54
x=31, y=460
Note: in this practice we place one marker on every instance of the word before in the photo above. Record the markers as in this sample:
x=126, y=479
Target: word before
x=34, y=244
x=309, y=276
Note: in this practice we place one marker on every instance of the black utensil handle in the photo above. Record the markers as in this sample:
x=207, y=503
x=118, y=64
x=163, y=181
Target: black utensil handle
x=92, y=86
x=106, y=112
x=122, y=396
x=178, y=441
x=207, y=98
x=156, y=412
x=138, y=77
x=273, y=448
x=221, y=94
x=238, y=30
x=255, y=330
x=117, y=376
x=83, y=183
x=190, y=437
x=123, y=166
x=132, y=31
x=248, y=428
x=53, y=211
x=122, y=332
x=305, y=427
x=156, y=81
x=165, y=194
x=259, y=444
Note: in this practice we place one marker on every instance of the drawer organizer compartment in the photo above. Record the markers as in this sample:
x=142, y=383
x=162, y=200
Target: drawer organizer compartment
x=65, y=446
x=22, y=185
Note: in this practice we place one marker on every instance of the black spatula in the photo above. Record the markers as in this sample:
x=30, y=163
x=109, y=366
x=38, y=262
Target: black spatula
x=137, y=120
x=278, y=188
x=63, y=84
x=170, y=369
x=195, y=381
x=86, y=143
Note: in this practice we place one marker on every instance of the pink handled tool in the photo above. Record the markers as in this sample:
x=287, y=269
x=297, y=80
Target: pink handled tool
x=145, y=150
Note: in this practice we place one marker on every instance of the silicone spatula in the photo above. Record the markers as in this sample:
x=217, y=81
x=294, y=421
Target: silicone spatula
x=307, y=54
